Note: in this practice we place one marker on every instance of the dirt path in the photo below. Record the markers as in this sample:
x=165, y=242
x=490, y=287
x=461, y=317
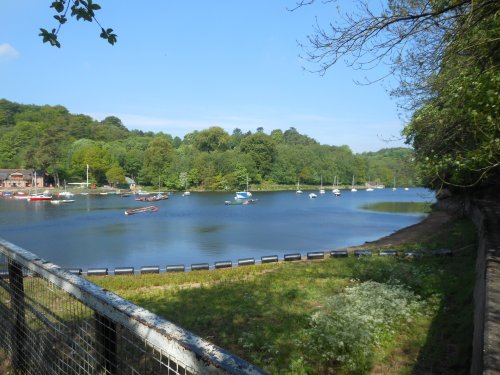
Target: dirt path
x=413, y=233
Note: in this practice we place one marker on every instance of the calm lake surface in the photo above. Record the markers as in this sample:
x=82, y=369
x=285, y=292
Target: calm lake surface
x=94, y=231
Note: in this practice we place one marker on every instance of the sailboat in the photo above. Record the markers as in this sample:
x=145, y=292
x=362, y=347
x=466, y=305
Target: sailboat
x=65, y=193
x=369, y=188
x=39, y=197
x=160, y=195
x=353, y=189
x=243, y=194
x=335, y=189
x=394, y=187
x=298, y=188
x=186, y=192
x=321, y=190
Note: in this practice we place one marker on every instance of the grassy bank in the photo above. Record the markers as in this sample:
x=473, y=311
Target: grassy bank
x=379, y=314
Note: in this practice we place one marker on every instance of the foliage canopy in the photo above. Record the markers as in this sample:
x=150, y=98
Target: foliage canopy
x=445, y=55
x=52, y=140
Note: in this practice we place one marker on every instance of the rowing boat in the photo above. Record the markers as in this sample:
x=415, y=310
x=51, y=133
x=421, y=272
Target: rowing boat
x=141, y=209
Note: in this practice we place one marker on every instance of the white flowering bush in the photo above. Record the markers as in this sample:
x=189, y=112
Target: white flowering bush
x=345, y=333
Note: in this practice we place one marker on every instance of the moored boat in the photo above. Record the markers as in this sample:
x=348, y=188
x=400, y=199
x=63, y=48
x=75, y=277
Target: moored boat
x=21, y=195
x=59, y=201
x=298, y=191
x=39, y=197
x=154, y=198
x=66, y=194
x=240, y=202
x=243, y=194
x=141, y=209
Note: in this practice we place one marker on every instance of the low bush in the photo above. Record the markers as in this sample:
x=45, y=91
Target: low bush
x=345, y=332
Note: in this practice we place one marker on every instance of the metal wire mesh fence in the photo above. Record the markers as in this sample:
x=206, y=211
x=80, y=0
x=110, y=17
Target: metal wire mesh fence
x=54, y=322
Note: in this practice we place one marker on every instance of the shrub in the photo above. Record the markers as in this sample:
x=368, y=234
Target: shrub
x=352, y=324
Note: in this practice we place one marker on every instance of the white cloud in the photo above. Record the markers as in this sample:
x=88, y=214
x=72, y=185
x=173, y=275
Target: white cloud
x=8, y=53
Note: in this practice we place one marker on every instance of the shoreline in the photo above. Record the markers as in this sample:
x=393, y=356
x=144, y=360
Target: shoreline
x=413, y=233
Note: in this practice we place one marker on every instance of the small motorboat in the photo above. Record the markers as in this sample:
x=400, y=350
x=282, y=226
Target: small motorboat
x=59, y=201
x=66, y=194
x=312, y=195
x=238, y=202
x=134, y=211
x=21, y=195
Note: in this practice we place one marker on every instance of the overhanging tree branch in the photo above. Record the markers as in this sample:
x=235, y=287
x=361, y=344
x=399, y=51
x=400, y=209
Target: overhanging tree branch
x=81, y=10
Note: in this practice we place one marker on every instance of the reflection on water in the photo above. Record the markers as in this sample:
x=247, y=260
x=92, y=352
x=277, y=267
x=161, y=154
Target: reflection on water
x=208, y=228
x=94, y=232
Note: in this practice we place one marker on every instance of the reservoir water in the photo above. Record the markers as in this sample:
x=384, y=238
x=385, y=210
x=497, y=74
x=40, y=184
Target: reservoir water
x=94, y=231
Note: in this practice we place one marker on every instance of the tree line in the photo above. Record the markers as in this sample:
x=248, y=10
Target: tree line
x=61, y=144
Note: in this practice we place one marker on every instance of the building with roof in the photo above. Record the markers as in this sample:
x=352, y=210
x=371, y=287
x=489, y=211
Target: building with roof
x=20, y=178
x=132, y=184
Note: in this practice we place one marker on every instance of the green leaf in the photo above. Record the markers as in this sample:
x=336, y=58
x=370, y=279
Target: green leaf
x=50, y=37
x=58, y=5
x=61, y=19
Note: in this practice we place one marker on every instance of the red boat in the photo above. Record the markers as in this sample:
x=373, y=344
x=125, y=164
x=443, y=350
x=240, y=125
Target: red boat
x=141, y=209
x=40, y=197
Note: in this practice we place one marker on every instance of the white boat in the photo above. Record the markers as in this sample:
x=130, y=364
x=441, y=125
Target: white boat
x=298, y=191
x=243, y=194
x=369, y=188
x=321, y=190
x=67, y=194
x=21, y=195
x=59, y=201
x=186, y=191
x=394, y=186
x=335, y=189
x=353, y=189
x=312, y=195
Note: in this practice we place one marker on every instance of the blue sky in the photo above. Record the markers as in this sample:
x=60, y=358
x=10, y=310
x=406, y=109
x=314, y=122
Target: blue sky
x=187, y=65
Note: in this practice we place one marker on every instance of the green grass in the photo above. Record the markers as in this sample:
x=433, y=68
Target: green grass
x=399, y=207
x=273, y=315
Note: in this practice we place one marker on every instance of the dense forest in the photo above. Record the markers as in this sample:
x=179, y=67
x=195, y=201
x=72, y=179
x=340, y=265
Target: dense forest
x=61, y=144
